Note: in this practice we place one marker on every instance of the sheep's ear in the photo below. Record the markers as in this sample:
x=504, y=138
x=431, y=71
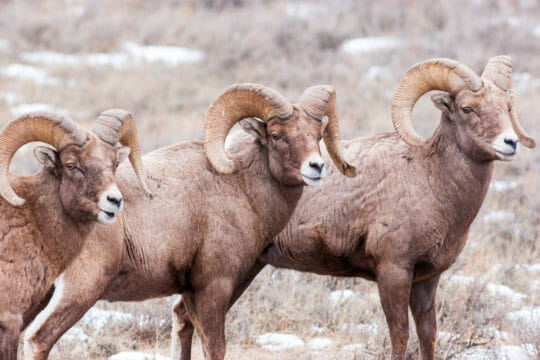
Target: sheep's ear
x=255, y=127
x=443, y=101
x=122, y=153
x=46, y=156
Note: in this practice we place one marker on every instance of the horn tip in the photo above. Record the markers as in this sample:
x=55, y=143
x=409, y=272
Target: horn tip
x=529, y=142
x=225, y=167
x=349, y=170
x=15, y=200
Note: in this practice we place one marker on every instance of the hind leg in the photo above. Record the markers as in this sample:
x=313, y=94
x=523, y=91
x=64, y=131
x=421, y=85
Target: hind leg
x=10, y=331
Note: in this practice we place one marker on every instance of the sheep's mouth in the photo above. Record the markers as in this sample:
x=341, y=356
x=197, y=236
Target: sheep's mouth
x=312, y=180
x=505, y=156
x=106, y=217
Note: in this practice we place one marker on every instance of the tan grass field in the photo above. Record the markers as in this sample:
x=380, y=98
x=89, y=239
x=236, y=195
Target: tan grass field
x=94, y=62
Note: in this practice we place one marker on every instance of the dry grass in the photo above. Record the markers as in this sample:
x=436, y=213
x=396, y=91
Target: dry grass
x=257, y=41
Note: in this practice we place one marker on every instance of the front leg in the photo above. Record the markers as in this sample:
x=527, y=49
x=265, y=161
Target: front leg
x=73, y=296
x=422, y=303
x=182, y=333
x=206, y=308
x=394, y=283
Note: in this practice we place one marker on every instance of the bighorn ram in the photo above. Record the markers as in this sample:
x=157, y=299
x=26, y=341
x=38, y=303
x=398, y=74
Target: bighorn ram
x=45, y=218
x=405, y=219
x=204, y=228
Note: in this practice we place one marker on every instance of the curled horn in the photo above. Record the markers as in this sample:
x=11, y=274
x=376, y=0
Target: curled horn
x=499, y=71
x=117, y=125
x=56, y=130
x=234, y=104
x=318, y=101
x=434, y=74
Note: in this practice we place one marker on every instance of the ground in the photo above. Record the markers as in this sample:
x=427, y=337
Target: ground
x=166, y=63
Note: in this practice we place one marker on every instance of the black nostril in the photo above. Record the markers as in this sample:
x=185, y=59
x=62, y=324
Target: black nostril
x=511, y=142
x=114, y=200
x=316, y=165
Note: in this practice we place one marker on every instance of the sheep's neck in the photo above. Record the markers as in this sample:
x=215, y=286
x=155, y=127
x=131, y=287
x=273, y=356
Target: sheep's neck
x=457, y=180
x=61, y=237
x=279, y=200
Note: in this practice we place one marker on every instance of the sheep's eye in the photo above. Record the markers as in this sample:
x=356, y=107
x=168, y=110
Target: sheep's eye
x=276, y=137
x=71, y=166
x=116, y=163
x=467, y=109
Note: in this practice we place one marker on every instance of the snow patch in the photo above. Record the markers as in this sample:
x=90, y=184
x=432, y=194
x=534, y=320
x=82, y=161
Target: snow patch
x=339, y=296
x=361, y=329
x=132, y=54
x=503, y=185
x=510, y=294
x=536, y=31
x=170, y=55
x=498, y=216
x=527, y=317
x=318, y=329
x=514, y=352
x=26, y=108
x=460, y=280
x=524, y=80
x=354, y=347
x=76, y=335
x=99, y=319
x=26, y=72
x=4, y=45
x=278, y=341
x=304, y=10
x=10, y=98
x=136, y=355
x=371, y=44
x=319, y=343
x=377, y=72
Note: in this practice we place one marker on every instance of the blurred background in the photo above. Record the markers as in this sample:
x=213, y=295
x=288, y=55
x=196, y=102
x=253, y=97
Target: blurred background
x=166, y=61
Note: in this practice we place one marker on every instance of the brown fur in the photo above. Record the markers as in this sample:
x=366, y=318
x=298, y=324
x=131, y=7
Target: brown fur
x=40, y=238
x=401, y=222
x=199, y=236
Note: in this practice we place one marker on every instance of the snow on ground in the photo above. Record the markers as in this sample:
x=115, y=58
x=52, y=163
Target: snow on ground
x=509, y=294
x=527, y=317
x=26, y=108
x=319, y=343
x=502, y=185
x=4, y=45
x=339, y=296
x=98, y=319
x=361, y=329
x=27, y=72
x=371, y=44
x=304, y=10
x=131, y=53
x=506, y=352
x=170, y=55
x=136, y=355
x=536, y=31
x=278, y=341
x=10, y=98
x=378, y=72
x=498, y=216
x=523, y=81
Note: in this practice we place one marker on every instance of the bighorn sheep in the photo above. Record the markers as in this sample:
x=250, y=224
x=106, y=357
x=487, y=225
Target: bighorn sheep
x=204, y=229
x=405, y=219
x=45, y=218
